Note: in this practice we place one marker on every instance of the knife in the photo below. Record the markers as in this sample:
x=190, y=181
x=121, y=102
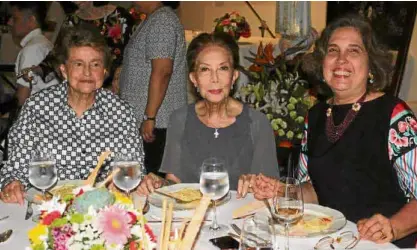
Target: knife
x=239, y=232
x=5, y=235
x=29, y=210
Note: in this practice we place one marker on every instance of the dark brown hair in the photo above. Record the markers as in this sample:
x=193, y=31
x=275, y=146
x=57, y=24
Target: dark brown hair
x=380, y=60
x=37, y=9
x=204, y=40
x=80, y=36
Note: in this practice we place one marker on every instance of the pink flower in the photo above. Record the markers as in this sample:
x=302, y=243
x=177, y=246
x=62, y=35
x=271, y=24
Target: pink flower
x=396, y=139
x=114, y=223
x=115, y=32
x=413, y=124
x=402, y=126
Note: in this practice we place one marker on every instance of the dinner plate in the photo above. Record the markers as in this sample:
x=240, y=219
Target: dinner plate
x=156, y=199
x=339, y=221
x=30, y=193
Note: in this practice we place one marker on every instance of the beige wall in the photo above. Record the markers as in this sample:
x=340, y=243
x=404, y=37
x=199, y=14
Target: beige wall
x=408, y=91
x=200, y=15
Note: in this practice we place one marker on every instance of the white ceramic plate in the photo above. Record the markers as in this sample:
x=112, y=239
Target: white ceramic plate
x=31, y=192
x=339, y=220
x=156, y=199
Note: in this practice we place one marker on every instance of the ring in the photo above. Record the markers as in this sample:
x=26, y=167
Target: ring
x=383, y=236
x=6, y=195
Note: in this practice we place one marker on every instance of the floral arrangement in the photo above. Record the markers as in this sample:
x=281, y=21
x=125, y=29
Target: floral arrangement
x=65, y=224
x=277, y=89
x=233, y=24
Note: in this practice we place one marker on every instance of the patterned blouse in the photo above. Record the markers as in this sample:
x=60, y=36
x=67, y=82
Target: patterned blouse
x=402, y=149
x=48, y=123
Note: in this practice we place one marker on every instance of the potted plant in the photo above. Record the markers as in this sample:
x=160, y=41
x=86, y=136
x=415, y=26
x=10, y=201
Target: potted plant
x=277, y=88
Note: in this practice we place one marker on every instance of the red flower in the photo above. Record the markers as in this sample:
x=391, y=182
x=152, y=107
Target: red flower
x=117, y=51
x=133, y=246
x=49, y=218
x=133, y=217
x=225, y=22
x=115, y=32
x=402, y=126
x=285, y=144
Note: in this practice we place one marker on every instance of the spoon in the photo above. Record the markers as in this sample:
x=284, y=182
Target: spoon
x=5, y=235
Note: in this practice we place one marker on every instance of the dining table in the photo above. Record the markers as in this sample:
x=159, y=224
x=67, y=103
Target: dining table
x=20, y=226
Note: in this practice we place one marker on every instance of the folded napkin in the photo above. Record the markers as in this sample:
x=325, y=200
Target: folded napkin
x=248, y=209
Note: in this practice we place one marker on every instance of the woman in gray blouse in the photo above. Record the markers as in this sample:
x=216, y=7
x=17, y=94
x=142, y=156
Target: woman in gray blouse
x=217, y=125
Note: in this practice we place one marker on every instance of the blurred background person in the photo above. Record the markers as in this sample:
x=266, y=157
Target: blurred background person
x=153, y=76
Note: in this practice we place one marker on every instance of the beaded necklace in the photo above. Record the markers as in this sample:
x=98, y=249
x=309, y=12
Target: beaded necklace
x=334, y=132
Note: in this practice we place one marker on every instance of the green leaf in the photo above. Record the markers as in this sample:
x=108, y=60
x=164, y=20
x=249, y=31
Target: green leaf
x=77, y=218
x=290, y=134
x=97, y=247
x=59, y=222
x=291, y=106
x=39, y=247
x=281, y=132
x=293, y=114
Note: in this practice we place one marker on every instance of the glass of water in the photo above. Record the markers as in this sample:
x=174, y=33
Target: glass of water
x=127, y=171
x=42, y=170
x=214, y=179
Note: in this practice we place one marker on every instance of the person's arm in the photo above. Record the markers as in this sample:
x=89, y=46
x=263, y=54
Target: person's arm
x=160, y=50
x=23, y=140
x=403, y=153
x=22, y=94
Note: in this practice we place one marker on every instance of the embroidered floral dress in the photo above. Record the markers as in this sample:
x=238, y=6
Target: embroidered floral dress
x=371, y=168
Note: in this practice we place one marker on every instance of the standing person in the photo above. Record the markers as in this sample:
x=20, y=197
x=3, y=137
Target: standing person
x=153, y=77
x=26, y=22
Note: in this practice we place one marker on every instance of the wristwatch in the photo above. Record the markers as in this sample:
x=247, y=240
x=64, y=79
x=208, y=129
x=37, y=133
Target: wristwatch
x=145, y=118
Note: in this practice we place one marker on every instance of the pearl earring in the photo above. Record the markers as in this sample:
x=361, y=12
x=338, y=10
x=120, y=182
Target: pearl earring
x=371, y=78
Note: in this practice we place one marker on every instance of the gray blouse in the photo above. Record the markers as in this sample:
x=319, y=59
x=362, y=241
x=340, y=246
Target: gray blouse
x=247, y=145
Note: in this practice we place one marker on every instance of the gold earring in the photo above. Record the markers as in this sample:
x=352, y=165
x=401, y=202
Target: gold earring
x=371, y=78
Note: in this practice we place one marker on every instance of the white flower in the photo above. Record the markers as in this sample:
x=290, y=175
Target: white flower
x=113, y=247
x=136, y=230
x=52, y=205
x=77, y=246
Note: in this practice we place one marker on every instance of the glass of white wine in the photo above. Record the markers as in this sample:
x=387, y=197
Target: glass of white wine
x=214, y=179
x=288, y=204
x=42, y=170
x=128, y=171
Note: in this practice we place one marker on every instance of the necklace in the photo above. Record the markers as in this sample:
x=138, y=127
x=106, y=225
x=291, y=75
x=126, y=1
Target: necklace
x=216, y=133
x=334, y=132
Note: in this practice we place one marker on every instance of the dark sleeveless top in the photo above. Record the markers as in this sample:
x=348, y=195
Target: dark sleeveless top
x=355, y=175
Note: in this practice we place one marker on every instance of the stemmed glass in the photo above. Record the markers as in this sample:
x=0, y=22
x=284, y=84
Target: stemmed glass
x=214, y=179
x=288, y=204
x=42, y=171
x=257, y=235
x=127, y=171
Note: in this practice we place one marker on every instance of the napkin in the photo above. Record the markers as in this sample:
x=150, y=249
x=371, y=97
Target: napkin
x=248, y=209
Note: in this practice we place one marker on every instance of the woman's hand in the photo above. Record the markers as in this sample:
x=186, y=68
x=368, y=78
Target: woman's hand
x=13, y=193
x=265, y=187
x=245, y=184
x=378, y=228
x=149, y=183
x=27, y=73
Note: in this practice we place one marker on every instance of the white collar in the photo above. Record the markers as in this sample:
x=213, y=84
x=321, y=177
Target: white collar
x=29, y=36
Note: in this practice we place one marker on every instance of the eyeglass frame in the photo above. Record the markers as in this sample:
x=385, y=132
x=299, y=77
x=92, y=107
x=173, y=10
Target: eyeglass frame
x=351, y=245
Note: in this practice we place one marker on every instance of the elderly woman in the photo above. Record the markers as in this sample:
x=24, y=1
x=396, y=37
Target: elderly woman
x=359, y=150
x=75, y=120
x=217, y=125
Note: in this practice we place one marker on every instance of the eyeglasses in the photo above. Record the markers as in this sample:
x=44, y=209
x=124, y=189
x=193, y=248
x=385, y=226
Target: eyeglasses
x=346, y=240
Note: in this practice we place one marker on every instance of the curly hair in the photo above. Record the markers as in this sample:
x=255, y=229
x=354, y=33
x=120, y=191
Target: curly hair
x=204, y=40
x=80, y=36
x=380, y=60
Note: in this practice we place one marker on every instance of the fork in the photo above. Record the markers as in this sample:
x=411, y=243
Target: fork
x=29, y=210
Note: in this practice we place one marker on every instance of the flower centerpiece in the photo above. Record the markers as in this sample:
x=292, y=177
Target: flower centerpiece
x=233, y=24
x=96, y=219
x=278, y=89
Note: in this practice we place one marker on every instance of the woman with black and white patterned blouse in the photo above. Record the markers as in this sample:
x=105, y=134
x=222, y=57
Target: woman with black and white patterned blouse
x=75, y=120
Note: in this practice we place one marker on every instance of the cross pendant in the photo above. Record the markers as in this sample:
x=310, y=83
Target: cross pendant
x=216, y=133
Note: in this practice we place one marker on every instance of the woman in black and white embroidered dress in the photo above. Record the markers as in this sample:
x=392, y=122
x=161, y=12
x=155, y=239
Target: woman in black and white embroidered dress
x=75, y=120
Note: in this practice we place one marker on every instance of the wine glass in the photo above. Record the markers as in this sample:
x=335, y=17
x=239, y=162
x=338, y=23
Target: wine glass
x=42, y=171
x=288, y=204
x=214, y=179
x=127, y=171
x=257, y=235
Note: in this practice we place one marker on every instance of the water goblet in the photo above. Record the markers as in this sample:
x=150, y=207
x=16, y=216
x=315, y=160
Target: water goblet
x=214, y=179
x=288, y=204
x=128, y=171
x=42, y=171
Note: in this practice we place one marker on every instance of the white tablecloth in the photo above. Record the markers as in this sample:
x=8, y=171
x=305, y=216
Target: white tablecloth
x=19, y=239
